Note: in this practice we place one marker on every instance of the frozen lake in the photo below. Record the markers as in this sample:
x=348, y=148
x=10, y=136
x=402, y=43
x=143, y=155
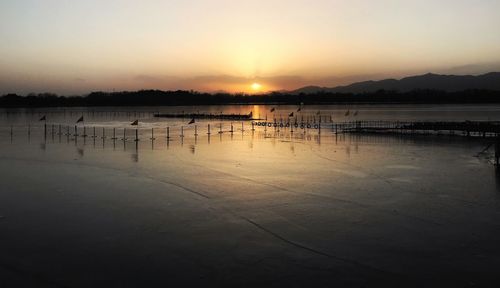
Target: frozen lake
x=248, y=208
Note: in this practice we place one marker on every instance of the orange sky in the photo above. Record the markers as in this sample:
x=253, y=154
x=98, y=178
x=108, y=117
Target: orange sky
x=74, y=47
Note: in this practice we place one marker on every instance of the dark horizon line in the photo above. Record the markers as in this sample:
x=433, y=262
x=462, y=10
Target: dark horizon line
x=191, y=98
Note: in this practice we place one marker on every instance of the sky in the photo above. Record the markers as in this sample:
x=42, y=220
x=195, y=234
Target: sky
x=74, y=47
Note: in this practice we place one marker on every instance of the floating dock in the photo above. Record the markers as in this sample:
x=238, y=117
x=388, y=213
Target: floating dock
x=244, y=117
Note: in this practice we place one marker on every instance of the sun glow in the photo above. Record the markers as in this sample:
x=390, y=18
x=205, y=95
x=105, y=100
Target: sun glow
x=256, y=86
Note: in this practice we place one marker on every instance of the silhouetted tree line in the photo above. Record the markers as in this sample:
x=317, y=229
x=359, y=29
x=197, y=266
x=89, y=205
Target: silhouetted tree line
x=172, y=98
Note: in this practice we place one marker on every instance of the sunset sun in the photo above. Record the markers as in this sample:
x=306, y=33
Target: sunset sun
x=256, y=86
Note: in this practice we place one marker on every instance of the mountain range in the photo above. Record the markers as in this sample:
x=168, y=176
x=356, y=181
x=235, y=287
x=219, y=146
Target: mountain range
x=448, y=83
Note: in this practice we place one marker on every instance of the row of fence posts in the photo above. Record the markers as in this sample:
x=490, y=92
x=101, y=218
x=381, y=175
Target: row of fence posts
x=103, y=136
x=335, y=127
x=168, y=130
x=84, y=134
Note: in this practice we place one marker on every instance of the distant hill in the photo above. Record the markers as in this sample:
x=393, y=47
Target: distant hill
x=448, y=83
x=428, y=88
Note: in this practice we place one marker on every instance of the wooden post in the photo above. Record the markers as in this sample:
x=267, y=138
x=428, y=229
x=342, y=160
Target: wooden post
x=253, y=126
x=136, y=135
x=231, y=128
x=168, y=132
x=242, y=128
x=103, y=133
x=195, y=130
x=76, y=131
x=208, y=129
x=152, y=133
x=124, y=134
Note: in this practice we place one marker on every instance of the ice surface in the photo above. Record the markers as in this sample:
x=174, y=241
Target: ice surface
x=253, y=208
